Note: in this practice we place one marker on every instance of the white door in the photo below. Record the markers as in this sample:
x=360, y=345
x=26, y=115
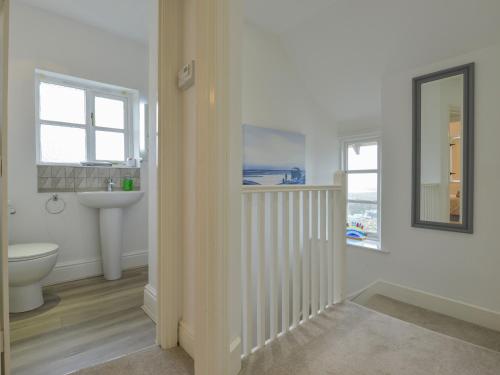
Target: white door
x=4, y=209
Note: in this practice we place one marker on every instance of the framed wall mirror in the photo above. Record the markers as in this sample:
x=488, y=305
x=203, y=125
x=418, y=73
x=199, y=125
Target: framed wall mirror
x=443, y=150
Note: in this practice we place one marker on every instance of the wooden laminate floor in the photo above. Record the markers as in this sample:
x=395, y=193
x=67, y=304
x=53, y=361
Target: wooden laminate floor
x=83, y=323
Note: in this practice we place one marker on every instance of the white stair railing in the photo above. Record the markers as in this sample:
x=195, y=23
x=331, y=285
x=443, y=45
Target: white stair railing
x=293, y=256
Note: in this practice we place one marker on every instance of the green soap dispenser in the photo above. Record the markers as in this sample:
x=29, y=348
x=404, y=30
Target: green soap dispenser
x=128, y=184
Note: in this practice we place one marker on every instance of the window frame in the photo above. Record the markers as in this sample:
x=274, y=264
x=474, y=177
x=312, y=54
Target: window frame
x=92, y=90
x=366, y=139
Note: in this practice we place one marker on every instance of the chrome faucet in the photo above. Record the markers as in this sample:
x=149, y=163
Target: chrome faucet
x=111, y=184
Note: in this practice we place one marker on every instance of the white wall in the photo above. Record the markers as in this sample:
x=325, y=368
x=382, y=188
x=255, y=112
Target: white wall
x=458, y=266
x=274, y=97
x=42, y=40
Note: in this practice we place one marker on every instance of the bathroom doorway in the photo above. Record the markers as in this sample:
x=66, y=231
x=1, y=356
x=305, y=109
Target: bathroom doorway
x=82, y=160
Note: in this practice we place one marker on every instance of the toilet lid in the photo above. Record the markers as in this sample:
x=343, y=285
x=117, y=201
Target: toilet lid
x=29, y=251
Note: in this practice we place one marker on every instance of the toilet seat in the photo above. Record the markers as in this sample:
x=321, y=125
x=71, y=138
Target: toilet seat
x=30, y=251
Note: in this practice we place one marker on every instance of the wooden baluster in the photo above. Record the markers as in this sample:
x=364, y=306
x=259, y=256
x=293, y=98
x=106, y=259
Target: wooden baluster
x=246, y=266
x=274, y=276
x=306, y=258
x=261, y=271
x=322, y=249
x=330, y=247
x=296, y=259
x=314, y=255
x=285, y=263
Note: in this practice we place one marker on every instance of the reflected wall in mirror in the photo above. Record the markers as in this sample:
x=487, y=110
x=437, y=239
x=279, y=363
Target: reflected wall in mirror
x=443, y=125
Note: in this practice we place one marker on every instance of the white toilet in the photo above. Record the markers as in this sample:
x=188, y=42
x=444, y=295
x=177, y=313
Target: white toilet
x=28, y=265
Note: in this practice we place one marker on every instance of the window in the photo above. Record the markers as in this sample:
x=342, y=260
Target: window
x=361, y=159
x=80, y=120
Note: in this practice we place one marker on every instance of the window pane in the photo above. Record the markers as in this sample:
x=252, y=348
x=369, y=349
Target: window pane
x=363, y=213
x=362, y=156
x=59, y=144
x=109, y=113
x=109, y=146
x=62, y=104
x=362, y=186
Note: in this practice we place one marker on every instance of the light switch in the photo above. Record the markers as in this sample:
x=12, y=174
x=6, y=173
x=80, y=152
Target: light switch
x=186, y=76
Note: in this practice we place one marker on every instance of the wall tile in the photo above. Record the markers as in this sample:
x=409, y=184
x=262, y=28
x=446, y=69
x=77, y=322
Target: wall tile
x=136, y=173
x=70, y=184
x=91, y=172
x=70, y=172
x=93, y=183
x=80, y=172
x=44, y=184
x=58, y=183
x=44, y=171
x=137, y=184
x=71, y=179
x=103, y=172
x=114, y=173
x=80, y=184
x=59, y=172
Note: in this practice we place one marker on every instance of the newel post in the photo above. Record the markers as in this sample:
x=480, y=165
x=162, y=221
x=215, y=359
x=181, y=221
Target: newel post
x=339, y=240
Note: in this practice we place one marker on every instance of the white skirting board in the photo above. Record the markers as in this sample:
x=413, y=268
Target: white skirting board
x=83, y=269
x=186, y=338
x=150, y=306
x=447, y=306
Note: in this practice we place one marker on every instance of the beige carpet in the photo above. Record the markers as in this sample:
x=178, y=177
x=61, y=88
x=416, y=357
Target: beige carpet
x=152, y=361
x=436, y=322
x=347, y=340
x=353, y=340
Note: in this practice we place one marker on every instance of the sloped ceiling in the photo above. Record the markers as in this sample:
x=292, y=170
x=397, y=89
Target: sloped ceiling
x=127, y=18
x=343, y=48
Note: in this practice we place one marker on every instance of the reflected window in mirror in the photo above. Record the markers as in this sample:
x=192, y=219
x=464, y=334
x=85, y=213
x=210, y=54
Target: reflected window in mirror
x=443, y=150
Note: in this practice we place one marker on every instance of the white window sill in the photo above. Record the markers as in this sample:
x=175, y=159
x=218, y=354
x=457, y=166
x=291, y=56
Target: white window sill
x=366, y=244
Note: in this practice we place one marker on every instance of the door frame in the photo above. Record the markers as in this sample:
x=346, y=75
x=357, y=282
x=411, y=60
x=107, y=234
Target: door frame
x=5, y=329
x=169, y=173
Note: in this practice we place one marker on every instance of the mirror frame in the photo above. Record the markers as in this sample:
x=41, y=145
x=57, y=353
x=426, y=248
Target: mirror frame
x=468, y=150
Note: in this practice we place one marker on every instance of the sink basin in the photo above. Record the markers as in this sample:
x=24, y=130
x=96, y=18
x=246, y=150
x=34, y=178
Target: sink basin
x=105, y=199
x=110, y=205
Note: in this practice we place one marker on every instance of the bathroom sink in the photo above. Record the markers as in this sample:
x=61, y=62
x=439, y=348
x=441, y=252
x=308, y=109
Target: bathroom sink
x=110, y=205
x=105, y=199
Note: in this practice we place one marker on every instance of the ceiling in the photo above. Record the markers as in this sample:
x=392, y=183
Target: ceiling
x=279, y=16
x=127, y=18
x=340, y=48
x=343, y=48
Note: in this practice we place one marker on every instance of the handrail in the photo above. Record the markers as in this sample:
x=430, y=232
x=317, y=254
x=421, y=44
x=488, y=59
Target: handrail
x=286, y=188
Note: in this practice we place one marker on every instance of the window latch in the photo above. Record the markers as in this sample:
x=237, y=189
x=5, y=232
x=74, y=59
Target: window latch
x=92, y=118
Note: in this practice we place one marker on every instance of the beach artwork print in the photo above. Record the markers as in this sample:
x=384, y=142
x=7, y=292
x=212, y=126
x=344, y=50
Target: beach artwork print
x=273, y=157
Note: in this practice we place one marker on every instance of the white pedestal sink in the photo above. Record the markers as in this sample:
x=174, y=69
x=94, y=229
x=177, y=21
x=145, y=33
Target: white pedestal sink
x=110, y=205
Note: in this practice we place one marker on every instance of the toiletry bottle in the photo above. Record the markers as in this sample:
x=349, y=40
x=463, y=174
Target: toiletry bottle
x=128, y=184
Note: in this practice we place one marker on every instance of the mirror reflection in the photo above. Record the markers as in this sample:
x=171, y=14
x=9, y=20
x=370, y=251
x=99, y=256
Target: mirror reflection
x=441, y=150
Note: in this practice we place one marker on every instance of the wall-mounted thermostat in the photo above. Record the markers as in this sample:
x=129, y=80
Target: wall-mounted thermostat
x=186, y=76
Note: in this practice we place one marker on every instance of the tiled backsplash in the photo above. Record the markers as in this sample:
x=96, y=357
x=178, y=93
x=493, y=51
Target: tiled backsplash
x=53, y=179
